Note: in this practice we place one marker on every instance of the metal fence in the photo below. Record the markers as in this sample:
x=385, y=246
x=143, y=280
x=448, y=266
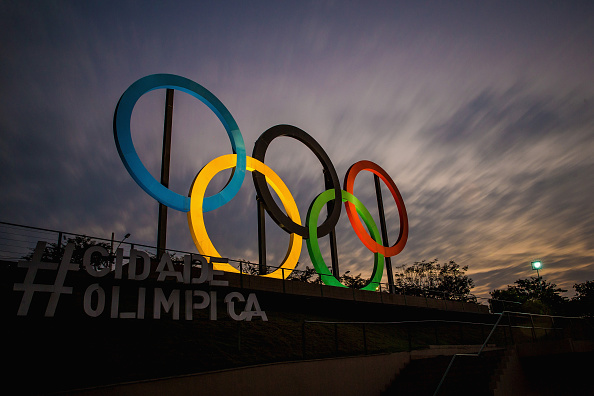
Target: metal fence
x=308, y=339
x=353, y=338
x=527, y=327
x=18, y=241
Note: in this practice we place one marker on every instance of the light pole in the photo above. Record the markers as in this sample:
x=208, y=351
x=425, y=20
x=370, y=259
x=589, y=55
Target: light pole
x=112, y=242
x=125, y=237
x=111, y=253
x=537, y=265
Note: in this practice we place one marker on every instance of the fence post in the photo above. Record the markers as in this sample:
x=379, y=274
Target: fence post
x=533, y=330
x=336, y=337
x=436, y=334
x=303, y=339
x=409, y=337
x=364, y=339
x=555, y=332
x=241, y=274
x=511, y=330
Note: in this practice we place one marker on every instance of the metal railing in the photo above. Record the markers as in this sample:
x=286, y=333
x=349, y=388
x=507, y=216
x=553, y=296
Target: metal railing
x=369, y=337
x=336, y=338
x=559, y=330
x=18, y=241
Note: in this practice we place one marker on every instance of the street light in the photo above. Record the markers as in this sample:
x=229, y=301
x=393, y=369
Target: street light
x=537, y=265
x=111, y=255
x=125, y=237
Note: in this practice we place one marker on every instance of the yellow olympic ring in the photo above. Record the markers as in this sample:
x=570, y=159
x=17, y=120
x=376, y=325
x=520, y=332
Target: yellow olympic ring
x=196, y=215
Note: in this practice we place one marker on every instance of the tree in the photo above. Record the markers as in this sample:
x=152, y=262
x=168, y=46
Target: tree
x=583, y=301
x=355, y=282
x=53, y=253
x=534, y=295
x=446, y=281
x=308, y=275
x=247, y=267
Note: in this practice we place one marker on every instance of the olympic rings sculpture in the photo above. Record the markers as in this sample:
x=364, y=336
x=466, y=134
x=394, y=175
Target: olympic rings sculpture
x=289, y=219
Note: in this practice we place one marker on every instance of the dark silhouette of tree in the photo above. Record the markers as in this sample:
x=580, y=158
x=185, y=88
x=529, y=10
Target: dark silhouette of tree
x=247, y=267
x=432, y=279
x=535, y=295
x=308, y=275
x=54, y=253
x=583, y=301
x=356, y=282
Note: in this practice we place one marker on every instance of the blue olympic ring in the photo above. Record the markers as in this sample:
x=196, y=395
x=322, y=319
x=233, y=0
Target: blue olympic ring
x=123, y=139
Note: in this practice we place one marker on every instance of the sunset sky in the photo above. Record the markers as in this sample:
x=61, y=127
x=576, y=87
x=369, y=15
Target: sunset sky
x=481, y=112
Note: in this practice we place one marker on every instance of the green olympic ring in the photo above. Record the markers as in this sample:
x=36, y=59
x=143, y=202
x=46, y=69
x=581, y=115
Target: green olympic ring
x=314, y=248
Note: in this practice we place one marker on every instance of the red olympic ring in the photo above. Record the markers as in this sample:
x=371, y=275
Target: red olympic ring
x=367, y=240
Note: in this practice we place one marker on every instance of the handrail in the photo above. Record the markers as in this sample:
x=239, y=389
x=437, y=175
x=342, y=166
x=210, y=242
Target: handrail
x=381, y=286
x=399, y=322
x=467, y=354
x=240, y=261
x=452, y=321
x=489, y=337
x=484, y=344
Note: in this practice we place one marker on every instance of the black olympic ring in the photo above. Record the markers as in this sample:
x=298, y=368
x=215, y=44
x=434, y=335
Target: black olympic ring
x=263, y=191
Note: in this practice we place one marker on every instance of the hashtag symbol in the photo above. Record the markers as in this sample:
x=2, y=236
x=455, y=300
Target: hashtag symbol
x=29, y=287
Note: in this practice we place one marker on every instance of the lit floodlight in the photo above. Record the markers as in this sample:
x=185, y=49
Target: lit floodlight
x=537, y=266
